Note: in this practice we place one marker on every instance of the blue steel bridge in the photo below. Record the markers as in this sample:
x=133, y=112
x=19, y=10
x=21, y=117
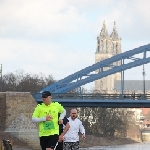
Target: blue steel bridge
x=61, y=88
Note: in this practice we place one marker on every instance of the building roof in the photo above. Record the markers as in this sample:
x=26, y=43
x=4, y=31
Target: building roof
x=146, y=121
x=132, y=85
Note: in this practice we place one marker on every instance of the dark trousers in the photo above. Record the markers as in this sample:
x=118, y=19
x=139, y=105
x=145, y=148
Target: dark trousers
x=60, y=144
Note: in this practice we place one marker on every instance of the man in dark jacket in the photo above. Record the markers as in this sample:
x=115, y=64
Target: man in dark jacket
x=64, y=122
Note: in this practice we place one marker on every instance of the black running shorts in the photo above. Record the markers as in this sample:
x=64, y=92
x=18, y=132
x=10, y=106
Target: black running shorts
x=48, y=141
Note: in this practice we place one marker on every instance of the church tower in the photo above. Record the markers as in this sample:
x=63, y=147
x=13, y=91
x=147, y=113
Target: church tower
x=107, y=46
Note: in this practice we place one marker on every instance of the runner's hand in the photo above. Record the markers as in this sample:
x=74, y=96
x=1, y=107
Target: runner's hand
x=60, y=138
x=48, y=118
x=83, y=136
x=60, y=121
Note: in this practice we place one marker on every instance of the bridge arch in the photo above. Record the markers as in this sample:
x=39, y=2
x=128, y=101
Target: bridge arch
x=86, y=75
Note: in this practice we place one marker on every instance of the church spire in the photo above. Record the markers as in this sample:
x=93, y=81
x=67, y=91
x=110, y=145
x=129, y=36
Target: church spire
x=114, y=34
x=104, y=25
x=104, y=32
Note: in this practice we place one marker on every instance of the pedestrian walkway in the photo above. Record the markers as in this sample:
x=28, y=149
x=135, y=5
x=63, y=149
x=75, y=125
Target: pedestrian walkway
x=17, y=148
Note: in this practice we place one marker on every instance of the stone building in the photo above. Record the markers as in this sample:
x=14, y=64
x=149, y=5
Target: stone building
x=107, y=46
x=133, y=86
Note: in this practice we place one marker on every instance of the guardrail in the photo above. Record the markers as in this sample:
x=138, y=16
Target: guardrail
x=99, y=100
x=101, y=96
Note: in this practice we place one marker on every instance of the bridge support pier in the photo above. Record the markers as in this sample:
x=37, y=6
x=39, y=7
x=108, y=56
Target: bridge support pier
x=122, y=78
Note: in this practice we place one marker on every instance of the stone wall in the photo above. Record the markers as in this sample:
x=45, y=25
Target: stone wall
x=2, y=111
x=19, y=102
x=16, y=110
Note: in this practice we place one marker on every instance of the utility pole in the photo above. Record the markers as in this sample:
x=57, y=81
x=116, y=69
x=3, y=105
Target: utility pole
x=1, y=79
x=143, y=80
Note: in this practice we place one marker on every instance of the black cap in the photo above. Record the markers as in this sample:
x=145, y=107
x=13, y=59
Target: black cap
x=45, y=94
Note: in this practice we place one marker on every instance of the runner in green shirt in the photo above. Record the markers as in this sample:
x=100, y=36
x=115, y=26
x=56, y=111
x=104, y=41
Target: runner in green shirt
x=46, y=114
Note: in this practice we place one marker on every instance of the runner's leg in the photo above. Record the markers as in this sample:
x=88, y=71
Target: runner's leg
x=59, y=146
x=67, y=145
x=43, y=142
x=75, y=146
x=52, y=141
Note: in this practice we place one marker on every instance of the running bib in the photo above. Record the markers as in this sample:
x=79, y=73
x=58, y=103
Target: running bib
x=49, y=125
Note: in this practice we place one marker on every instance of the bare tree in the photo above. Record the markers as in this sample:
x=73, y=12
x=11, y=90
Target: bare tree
x=25, y=82
x=104, y=121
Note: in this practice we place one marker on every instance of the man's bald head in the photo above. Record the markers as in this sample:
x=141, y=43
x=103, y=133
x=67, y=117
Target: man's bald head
x=73, y=113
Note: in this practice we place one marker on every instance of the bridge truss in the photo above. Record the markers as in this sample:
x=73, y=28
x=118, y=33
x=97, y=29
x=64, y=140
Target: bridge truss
x=114, y=64
x=86, y=75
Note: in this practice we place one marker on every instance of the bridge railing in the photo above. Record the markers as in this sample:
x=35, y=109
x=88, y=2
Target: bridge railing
x=100, y=96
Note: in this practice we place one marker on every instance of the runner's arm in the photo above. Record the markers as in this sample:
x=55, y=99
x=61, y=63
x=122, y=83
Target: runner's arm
x=62, y=111
x=61, y=136
x=63, y=114
x=36, y=115
x=81, y=127
x=67, y=126
x=36, y=120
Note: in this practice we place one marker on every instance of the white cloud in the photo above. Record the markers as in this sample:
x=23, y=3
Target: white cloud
x=89, y=4
x=38, y=57
x=53, y=37
x=38, y=18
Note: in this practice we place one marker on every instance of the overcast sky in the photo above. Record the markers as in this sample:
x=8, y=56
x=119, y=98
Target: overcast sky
x=58, y=37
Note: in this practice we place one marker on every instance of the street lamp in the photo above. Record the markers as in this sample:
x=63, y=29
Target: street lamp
x=143, y=80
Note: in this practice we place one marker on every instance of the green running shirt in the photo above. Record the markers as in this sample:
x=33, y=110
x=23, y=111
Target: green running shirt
x=47, y=128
